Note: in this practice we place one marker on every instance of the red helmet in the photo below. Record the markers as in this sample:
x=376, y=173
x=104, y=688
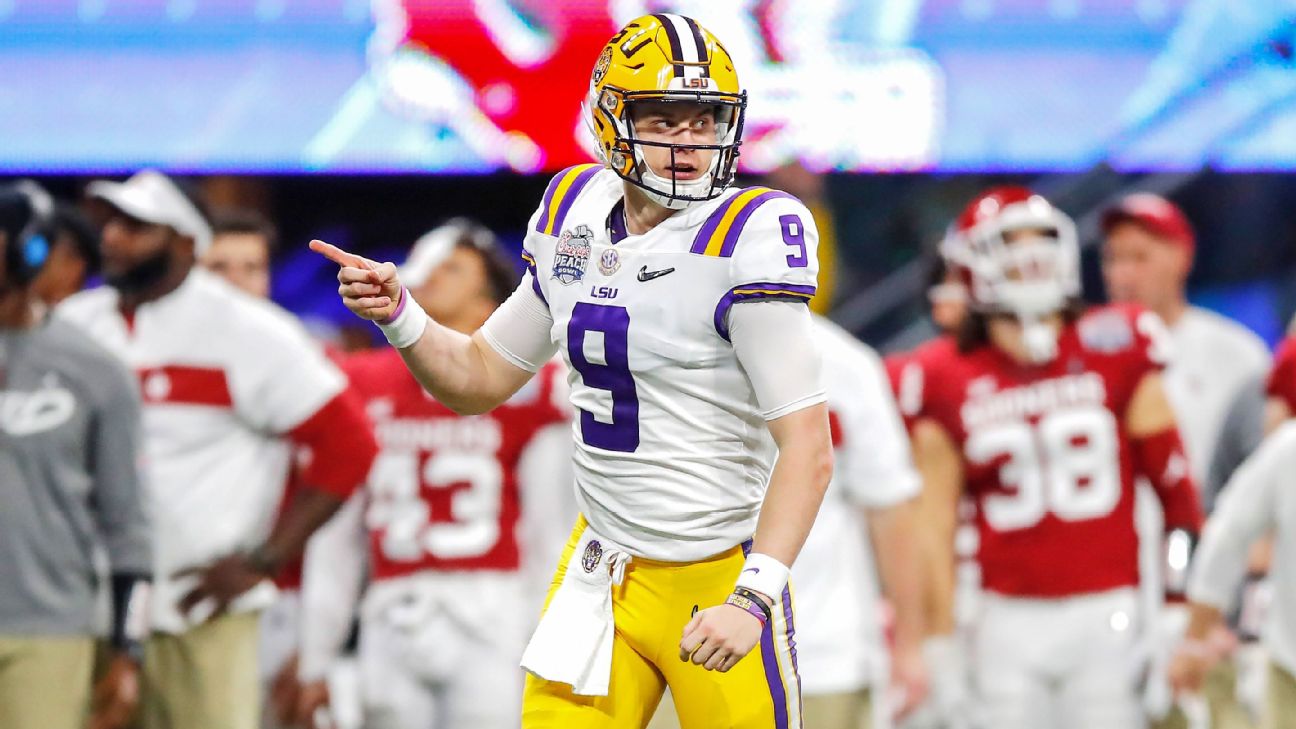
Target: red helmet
x=1016, y=252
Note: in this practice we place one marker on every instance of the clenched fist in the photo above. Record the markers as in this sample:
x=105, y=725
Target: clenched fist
x=371, y=290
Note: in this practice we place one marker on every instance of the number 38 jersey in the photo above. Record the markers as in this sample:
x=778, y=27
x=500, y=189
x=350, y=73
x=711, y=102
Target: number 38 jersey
x=672, y=454
x=1046, y=458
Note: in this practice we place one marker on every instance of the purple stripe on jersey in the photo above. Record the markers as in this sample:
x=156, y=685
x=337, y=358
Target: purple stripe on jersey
x=548, y=199
x=573, y=192
x=735, y=230
x=535, y=286
x=791, y=637
x=712, y=222
x=775, y=679
x=535, y=277
x=770, y=660
x=755, y=292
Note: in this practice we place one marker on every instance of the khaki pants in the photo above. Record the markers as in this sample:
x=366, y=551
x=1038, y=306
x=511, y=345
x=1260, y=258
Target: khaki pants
x=45, y=681
x=822, y=711
x=839, y=711
x=1280, y=703
x=204, y=678
x=1220, y=692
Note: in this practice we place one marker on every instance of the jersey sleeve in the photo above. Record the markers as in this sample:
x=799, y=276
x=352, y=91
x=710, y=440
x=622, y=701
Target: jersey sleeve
x=546, y=223
x=288, y=380
x=1246, y=510
x=1282, y=378
x=772, y=243
x=1132, y=342
x=875, y=462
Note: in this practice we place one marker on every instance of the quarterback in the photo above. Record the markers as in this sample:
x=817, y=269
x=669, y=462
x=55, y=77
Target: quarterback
x=1044, y=415
x=678, y=304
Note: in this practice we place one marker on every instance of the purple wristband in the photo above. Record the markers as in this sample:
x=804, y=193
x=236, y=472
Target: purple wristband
x=746, y=603
x=400, y=306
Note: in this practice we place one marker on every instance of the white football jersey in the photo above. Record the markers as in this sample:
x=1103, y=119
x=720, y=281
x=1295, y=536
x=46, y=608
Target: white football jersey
x=672, y=452
x=223, y=376
x=839, y=634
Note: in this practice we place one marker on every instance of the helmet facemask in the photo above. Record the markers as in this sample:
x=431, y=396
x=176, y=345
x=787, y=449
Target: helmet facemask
x=1024, y=264
x=627, y=157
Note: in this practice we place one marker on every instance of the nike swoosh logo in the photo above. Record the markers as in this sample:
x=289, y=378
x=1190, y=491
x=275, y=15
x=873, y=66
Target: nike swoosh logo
x=753, y=570
x=646, y=275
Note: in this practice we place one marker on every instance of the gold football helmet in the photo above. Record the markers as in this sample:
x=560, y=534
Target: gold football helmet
x=668, y=58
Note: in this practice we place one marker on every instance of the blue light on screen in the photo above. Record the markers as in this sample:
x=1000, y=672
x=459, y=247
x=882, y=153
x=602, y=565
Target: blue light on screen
x=363, y=86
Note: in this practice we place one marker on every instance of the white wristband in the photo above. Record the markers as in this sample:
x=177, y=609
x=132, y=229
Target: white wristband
x=764, y=574
x=404, y=327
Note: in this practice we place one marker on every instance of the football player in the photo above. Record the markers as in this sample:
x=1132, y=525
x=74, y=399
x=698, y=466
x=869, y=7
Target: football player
x=444, y=619
x=678, y=303
x=1258, y=500
x=1044, y=416
x=944, y=649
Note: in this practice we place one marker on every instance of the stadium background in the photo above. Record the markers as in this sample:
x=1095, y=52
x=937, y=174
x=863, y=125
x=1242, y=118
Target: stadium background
x=366, y=123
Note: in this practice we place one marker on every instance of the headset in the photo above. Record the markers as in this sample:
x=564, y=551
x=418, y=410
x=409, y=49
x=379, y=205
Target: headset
x=28, y=250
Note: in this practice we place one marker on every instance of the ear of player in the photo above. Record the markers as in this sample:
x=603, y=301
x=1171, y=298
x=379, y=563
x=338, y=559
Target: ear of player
x=665, y=58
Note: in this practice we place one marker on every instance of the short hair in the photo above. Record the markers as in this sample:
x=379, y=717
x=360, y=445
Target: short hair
x=244, y=221
x=70, y=221
x=501, y=272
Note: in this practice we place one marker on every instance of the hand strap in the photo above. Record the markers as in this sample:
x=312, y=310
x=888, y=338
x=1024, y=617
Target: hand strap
x=752, y=603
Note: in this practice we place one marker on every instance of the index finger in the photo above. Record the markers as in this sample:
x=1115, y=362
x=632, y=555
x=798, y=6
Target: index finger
x=339, y=256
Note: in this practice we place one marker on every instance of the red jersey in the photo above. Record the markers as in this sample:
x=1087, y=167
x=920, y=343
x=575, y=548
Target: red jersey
x=1046, y=457
x=1282, y=379
x=906, y=371
x=443, y=494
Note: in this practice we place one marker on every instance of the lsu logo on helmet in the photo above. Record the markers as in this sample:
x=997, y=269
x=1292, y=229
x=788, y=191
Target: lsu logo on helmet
x=670, y=58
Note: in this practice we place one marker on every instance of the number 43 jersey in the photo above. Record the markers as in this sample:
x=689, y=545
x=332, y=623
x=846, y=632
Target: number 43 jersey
x=1046, y=458
x=672, y=454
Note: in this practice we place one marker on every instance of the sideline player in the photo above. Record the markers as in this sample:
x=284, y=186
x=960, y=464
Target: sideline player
x=1257, y=501
x=445, y=616
x=678, y=303
x=866, y=535
x=1045, y=416
x=944, y=649
x=70, y=489
x=230, y=386
x=1214, y=380
x=240, y=252
x=1215, y=377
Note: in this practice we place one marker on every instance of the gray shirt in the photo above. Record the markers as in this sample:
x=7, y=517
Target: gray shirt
x=69, y=478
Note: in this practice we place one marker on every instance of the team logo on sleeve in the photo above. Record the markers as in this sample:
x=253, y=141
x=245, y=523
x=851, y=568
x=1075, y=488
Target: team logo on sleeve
x=593, y=553
x=572, y=255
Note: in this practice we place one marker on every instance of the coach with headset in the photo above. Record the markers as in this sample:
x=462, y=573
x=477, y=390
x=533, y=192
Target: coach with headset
x=69, y=489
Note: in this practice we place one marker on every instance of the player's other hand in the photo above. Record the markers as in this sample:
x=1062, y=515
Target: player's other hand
x=221, y=582
x=116, y=695
x=284, y=693
x=718, y=637
x=1193, y=659
x=909, y=680
x=312, y=705
x=371, y=290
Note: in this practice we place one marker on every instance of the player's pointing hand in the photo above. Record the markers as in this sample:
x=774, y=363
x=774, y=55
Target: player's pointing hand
x=371, y=290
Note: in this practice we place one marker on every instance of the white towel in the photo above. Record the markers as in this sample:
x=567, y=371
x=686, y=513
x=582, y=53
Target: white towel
x=573, y=642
